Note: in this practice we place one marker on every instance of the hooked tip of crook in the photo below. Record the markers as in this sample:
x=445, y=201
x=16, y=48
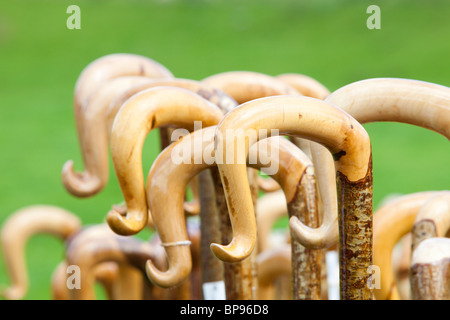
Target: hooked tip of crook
x=174, y=276
x=125, y=224
x=232, y=252
x=153, y=273
x=313, y=238
x=79, y=184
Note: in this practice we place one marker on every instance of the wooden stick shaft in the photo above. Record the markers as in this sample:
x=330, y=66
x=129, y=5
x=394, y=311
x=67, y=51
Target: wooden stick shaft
x=355, y=236
x=306, y=263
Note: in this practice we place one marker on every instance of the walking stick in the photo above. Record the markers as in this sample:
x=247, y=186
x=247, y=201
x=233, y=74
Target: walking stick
x=400, y=100
x=92, y=78
x=310, y=118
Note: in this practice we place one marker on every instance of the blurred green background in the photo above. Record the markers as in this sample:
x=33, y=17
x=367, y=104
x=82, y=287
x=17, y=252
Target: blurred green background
x=40, y=60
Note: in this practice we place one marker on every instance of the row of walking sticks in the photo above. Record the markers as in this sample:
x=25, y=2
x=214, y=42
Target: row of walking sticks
x=216, y=136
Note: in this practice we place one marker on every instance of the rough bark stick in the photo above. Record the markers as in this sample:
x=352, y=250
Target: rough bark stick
x=306, y=263
x=355, y=235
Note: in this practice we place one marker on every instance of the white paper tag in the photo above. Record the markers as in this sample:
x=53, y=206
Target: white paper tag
x=332, y=262
x=214, y=290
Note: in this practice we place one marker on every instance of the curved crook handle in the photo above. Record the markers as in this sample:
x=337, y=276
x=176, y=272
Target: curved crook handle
x=105, y=68
x=429, y=270
x=433, y=220
x=213, y=95
x=415, y=102
x=22, y=225
x=293, y=115
x=381, y=99
x=94, y=138
x=147, y=110
x=391, y=222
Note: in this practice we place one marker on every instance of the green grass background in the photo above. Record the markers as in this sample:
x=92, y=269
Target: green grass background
x=40, y=60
